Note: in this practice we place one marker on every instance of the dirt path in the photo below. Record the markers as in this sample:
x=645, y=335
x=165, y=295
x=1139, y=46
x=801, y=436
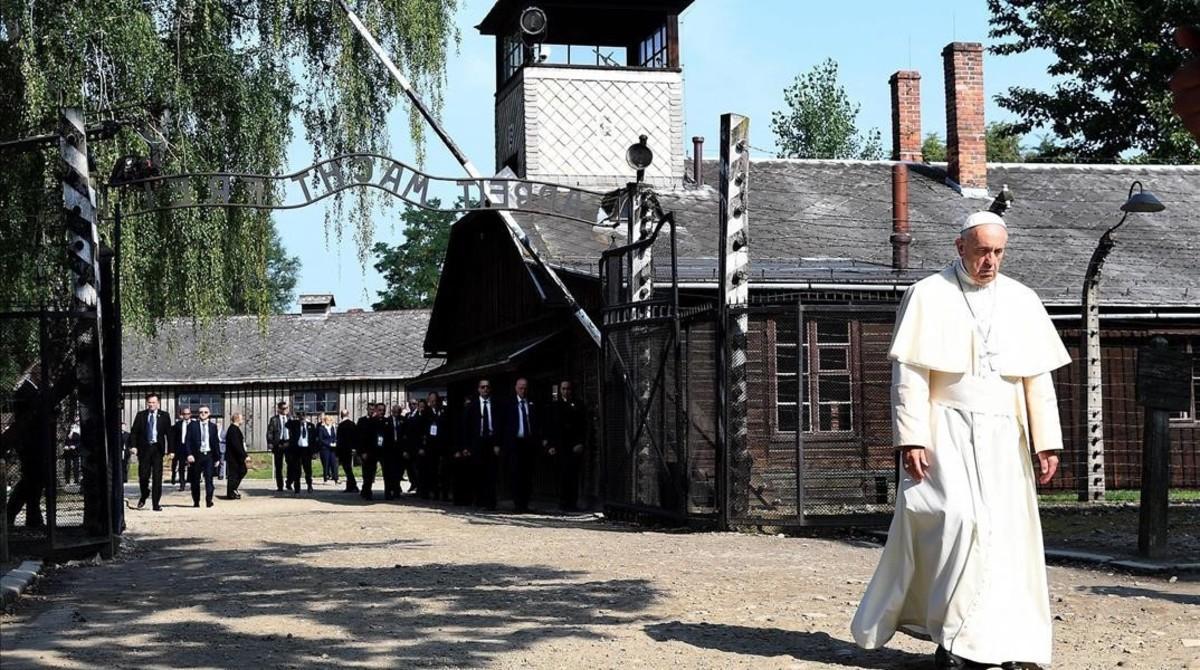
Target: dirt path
x=328, y=581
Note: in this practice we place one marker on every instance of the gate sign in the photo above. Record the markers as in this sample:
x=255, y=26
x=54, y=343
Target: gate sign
x=333, y=175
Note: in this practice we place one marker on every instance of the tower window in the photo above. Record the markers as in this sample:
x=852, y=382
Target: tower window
x=653, y=50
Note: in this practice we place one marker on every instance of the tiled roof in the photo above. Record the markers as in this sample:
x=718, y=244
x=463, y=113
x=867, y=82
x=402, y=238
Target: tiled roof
x=340, y=346
x=831, y=221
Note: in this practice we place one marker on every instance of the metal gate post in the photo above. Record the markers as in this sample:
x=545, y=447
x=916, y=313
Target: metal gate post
x=733, y=319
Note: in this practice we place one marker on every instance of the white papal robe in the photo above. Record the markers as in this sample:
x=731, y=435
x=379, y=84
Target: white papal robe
x=964, y=565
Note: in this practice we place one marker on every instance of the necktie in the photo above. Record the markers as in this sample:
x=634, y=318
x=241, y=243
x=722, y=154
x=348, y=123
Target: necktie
x=151, y=428
x=487, y=420
x=524, y=420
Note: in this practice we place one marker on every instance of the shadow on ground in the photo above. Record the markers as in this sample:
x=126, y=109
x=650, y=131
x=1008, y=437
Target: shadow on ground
x=772, y=642
x=180, y=603
x=1136, y=592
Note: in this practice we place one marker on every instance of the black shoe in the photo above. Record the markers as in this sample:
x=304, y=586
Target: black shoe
x=367, y=495
x=310, y=488
x=351, y=489
x=944, y=660
x=237, y=496
x=1020, y=665
x=158, y=508
x=196, y=503
x=279, y=489
x=208, y=503
x=141, y=503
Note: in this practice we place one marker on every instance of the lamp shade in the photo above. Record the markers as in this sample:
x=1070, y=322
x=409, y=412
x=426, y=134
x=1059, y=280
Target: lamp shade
x=1142, y=201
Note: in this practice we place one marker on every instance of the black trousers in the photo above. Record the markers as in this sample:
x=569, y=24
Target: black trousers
x=428, y=482
x=391, y=473
x=462, y=479
x=278, y=453
x=236, y=471
x=179, y=467
x=369, y=464
x=297, y=460
x=150, y=466
x=568, y=477
x=522, y=460
x=202, y=466
x=346, y=458
x=410, y=469
x=28, y=494
x=71, y=463
x=485, y=463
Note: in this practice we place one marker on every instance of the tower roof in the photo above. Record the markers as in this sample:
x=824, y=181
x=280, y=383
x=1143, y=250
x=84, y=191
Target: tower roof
x=584, y=21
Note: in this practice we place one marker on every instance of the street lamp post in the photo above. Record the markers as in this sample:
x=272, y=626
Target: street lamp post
x=1092, y=482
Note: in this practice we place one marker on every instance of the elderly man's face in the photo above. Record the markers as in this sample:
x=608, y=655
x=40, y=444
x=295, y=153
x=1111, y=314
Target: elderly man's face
x=982, y=250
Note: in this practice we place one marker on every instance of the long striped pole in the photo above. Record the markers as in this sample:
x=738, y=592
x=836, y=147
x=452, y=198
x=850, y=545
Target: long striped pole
x=735, y=320
x=79, y=217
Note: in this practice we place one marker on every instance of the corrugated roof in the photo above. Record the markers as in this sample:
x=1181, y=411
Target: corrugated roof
x=235, y=350
x=831, y=221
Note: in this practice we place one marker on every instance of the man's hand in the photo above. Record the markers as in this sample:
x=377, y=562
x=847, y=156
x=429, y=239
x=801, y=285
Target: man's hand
x=915, y=462
x=133, y=450
x=1185, y=83
x=496, y=450
x=247, y=460
x=552, y=451
x=191, y=459
x=577, y=448
x=1048, y=463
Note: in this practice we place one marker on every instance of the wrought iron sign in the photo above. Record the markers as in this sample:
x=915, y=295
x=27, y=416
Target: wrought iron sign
x=333, y=175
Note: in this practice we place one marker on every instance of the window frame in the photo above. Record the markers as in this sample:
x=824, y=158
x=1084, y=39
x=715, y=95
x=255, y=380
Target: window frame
x=811, y=373
x=300, y=403
x=216, y=408
x=1191, y=416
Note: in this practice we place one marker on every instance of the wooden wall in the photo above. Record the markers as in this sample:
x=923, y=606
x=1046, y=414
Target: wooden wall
x=257, y=402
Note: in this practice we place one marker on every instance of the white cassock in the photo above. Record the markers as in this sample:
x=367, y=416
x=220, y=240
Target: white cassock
x=963, y=565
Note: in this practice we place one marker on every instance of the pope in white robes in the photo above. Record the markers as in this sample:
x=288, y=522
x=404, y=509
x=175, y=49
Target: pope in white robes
x=975, y=417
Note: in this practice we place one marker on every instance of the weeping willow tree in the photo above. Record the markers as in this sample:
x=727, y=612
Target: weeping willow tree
x=215, y=84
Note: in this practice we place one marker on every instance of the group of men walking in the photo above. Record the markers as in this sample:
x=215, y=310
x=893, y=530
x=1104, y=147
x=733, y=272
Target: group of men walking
x=458, y=459
x=195, y=445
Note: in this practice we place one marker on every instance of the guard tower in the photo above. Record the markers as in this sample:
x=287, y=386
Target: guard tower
x=578, y=80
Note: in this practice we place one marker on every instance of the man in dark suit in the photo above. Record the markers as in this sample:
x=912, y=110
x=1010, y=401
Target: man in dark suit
x=277, y=439
x=393, y=452
x=347, y=440
x=201, y=449
x=431, y=456
x=125, y=452
x=569, y=427
x=176, y=443
x=370, y=433
x=480, y=449
x=148, y=440
x=410, y=446
x=521, y=441
x=302, y=437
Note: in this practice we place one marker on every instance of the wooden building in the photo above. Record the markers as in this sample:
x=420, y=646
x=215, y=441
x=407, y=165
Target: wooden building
x=833, y=246
x=318, y=360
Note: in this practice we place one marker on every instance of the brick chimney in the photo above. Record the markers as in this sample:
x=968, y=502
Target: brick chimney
x=906, y=115
x=966, y=152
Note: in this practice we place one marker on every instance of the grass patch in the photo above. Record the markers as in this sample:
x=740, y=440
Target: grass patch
x=1121, y=495
x=262, y=463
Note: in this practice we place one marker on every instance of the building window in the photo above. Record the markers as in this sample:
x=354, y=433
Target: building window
x=653, y=50
x=820, y=366
x=1193, y=413
x=513, y=54
x=215, y=402
x=315, y=402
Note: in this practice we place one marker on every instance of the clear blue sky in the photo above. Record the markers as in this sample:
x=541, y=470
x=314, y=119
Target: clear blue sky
x=737, y=56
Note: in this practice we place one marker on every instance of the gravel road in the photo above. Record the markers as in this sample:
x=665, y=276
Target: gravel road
x=282, y=581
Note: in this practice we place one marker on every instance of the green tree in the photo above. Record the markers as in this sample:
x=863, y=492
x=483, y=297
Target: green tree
x=1001, y=139
x=1113, y=62
x=933, y=149
x=412, y=268
x=220, y=82
x=820, y=120
x=281, y=275
x=1003, y=143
